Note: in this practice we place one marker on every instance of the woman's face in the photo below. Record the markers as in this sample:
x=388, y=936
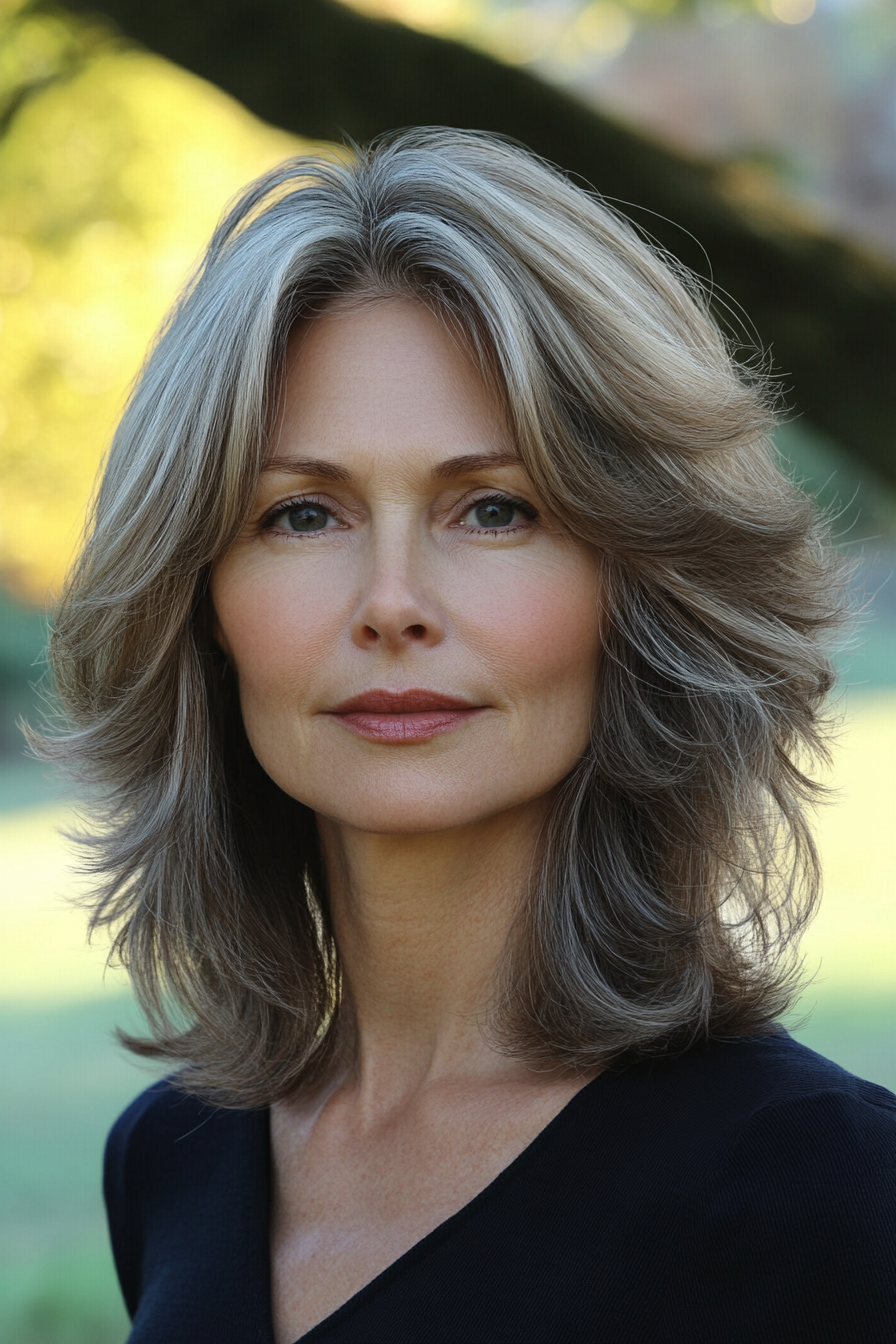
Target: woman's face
x=415, y=639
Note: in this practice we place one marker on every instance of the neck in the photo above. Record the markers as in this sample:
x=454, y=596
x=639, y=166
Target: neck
x=421, y=922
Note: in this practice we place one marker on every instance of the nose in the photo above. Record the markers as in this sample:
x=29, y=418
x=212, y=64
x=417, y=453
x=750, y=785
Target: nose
x=398, y=608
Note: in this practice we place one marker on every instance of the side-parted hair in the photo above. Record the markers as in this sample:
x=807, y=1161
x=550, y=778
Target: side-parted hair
x=677, y=864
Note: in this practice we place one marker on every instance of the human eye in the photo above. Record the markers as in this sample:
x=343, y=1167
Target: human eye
x=498, y=514
x=301, y=517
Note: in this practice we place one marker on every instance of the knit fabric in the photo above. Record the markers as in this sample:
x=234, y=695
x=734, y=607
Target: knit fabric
x=741, y=1193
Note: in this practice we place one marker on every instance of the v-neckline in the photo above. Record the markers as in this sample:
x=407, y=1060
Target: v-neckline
x=440, y=1233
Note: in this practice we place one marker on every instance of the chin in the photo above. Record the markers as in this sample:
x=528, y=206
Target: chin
x=419, y=798
x=417, y=803
x=408, y=816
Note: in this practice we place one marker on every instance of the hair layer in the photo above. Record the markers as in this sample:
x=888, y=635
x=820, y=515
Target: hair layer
x=677, y=864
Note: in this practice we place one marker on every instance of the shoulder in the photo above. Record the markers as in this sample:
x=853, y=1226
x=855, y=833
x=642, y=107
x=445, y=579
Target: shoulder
x=811, y=1126
x=166, y=1133
x=135, y=1166
x=748, y=1125
x=725, y=1085
x=159, y=1131
x=164, y=1118
x=170, y=1161
x=759, y=1180
x=794, y=1214
x=785, y=1109
x=802, y=1095
x=770, y=1108
x=160, y=1114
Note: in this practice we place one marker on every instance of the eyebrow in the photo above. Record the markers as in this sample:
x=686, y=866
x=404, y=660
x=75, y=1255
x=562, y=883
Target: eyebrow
x=442, y=471
x=470, y=462
x=308, y=466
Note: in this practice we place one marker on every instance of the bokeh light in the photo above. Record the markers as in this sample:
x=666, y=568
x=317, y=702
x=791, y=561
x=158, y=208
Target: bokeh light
x=110, y=185
x=791, y=11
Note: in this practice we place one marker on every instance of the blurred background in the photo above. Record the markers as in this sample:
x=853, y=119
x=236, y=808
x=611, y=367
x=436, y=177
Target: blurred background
x=754, y=139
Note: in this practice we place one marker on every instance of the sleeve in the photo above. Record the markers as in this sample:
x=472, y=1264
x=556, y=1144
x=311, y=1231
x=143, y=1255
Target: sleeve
x=799, y=1222
x=124, y=1171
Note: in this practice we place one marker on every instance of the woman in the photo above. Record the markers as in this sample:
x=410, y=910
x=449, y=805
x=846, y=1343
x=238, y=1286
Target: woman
x=446, y=654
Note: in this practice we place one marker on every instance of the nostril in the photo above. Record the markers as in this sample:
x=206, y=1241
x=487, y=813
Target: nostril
x=416, y=631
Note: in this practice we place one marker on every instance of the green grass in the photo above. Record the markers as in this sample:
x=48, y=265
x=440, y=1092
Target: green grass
x=64, y=1083
x=65, y=1080
x=69, y=1298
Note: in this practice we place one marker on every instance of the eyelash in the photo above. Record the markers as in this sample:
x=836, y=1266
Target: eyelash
x=267, y=522
x=527, y=510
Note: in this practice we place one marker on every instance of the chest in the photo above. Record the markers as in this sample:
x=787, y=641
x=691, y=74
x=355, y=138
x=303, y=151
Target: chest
x=349, y=1200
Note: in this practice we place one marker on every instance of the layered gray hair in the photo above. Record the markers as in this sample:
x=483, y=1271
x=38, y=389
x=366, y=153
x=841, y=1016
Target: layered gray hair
x=677, y=865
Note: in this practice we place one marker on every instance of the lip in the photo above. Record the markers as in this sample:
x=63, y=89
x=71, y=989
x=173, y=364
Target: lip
x=403, y=716
x=400, y=702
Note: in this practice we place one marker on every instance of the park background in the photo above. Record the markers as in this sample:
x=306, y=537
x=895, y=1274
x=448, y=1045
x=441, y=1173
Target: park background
x=766, y=129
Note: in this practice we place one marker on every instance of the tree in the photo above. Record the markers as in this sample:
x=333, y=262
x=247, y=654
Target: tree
x=825, y=309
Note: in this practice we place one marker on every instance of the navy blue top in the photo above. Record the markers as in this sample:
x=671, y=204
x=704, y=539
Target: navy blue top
x=742, y=1193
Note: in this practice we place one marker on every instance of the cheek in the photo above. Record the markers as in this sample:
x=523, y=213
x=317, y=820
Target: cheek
x=275, y=636
x=540, y=629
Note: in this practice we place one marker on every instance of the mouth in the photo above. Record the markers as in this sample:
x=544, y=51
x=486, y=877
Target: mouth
x=403, y=716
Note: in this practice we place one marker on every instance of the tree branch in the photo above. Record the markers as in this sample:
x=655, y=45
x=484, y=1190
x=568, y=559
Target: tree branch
x=825, y=309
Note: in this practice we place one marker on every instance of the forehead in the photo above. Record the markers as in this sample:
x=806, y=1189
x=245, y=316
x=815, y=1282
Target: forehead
x=384, y=381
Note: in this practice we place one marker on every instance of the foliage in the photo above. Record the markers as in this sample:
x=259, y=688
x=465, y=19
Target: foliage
x=564, y=36
x=40, y=47
x=826, y=309
x=116, y=165
x=112, y=174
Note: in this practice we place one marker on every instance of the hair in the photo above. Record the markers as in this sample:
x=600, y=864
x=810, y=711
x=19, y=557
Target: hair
x=677, y=866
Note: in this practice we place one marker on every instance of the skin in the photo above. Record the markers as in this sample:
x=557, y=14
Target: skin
x=427, y=844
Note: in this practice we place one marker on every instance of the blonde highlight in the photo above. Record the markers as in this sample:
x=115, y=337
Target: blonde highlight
x=678, y=867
